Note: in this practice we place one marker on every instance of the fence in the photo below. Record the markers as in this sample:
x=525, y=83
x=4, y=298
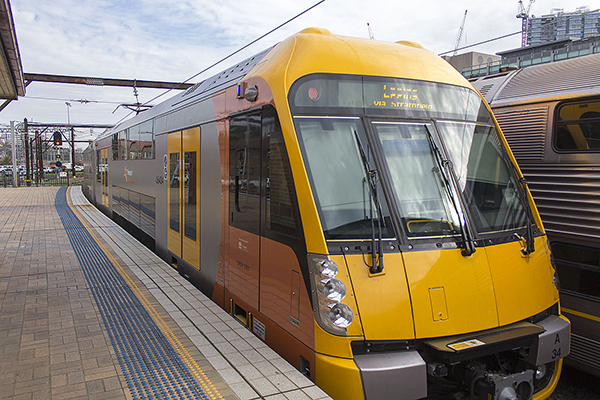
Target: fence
x=48, y=179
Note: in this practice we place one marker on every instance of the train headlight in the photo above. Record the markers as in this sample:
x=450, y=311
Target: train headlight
x=341, y=315
x=334, y=289
x=328, y=268
x=327, y=293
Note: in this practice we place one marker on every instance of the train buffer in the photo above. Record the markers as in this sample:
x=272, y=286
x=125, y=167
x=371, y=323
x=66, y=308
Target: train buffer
x=86, y=311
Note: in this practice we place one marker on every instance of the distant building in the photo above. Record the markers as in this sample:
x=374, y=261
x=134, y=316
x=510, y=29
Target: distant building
x=466, y=60
x=522, y=57
x=559, y=25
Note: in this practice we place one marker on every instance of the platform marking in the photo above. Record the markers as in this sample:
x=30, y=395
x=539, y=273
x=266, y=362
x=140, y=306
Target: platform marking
x=154, y=362
x=181, y=350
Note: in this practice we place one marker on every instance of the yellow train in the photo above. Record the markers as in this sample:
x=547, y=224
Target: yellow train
x=354, y=204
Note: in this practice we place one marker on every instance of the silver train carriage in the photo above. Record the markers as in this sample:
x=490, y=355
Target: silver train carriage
x=550, y=115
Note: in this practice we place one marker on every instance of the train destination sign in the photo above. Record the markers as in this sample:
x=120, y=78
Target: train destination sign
x=400, y=97
x=320, y=93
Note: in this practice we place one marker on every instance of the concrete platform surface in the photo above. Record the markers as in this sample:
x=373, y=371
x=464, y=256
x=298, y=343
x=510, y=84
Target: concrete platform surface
x=66, y=333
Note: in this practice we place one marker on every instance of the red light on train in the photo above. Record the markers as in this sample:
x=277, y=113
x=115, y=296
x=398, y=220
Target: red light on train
x=314, y=94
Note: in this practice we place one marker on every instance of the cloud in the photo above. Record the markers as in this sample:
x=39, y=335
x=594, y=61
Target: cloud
x=172, y=40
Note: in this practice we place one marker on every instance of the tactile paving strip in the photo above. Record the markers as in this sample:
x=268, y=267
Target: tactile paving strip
x=153, y=368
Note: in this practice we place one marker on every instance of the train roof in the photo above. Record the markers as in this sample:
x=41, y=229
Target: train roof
x=314, y=50
x=577, y=76
x=199, y=91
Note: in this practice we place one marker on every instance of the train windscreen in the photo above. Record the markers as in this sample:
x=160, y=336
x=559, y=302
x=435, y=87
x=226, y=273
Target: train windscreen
x=433, y=145
x=339, y=178
x=484, y=176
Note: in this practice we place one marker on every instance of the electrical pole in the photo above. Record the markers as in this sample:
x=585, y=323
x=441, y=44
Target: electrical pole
x=71, y=139
x=14, y=153
x=39, y=161
x=26, y=140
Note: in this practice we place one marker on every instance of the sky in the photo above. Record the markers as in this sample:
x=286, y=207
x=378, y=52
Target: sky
x=173, y=40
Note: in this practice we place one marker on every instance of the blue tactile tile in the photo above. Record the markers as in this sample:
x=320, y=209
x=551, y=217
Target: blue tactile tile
x=150, y=364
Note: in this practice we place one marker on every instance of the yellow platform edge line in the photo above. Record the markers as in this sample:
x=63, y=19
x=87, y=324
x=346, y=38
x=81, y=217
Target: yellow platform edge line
x=198, y=373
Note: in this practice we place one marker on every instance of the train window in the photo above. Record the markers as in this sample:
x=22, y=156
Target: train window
x=337, y=176
x=418, y=183
x=244, y=172
x=578, y=268
x=147, y=140
x=119, y=145
x=122, y=142
x=256, y=143
x=281, y=209
x=148, y=215
x=190, y=193
x=140, y=143
x=174, y=191
x=115, y=146
x=99, y=169
x=578, y=127
x=136, y=208
x=117, y=199
x=483, y=171
x=133, y=143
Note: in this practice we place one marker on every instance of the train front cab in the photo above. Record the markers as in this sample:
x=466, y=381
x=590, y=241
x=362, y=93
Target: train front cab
x=423, y=258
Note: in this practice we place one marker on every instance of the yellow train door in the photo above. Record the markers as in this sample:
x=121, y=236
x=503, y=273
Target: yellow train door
x=183, y=196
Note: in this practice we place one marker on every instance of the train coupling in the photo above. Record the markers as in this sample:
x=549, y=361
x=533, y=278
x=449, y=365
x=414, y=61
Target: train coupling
x=497, y=385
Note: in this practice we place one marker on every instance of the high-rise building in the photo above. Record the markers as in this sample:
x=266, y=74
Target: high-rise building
x=580, y=24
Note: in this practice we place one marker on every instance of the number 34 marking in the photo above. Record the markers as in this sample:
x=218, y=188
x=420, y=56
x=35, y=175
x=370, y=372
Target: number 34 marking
x=556, y=353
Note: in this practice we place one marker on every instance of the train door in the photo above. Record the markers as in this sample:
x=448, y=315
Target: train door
x=244, y=208
x=265, y=234
x=184, y=195
x=266, y=242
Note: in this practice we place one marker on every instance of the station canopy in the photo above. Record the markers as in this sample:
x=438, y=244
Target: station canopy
x=11, y=70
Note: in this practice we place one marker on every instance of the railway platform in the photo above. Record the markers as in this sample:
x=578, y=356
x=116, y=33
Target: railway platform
x=86, y=311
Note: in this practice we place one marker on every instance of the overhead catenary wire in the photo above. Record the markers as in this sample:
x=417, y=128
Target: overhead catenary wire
x=480, y=43
x=82, y=101
x=232, y=54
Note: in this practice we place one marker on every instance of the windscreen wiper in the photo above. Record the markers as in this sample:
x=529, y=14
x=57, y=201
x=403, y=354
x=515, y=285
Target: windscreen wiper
x=372, y=179
x=522, y=187
x=446, y=167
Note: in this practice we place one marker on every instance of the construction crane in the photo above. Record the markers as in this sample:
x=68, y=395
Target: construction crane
x=460, y=33
x=371, y=36
x=524, y=15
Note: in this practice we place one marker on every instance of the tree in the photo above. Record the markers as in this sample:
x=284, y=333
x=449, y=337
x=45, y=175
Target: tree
x=6, y=160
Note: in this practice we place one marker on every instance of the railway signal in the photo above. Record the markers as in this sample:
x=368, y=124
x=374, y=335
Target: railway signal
x=57, y=138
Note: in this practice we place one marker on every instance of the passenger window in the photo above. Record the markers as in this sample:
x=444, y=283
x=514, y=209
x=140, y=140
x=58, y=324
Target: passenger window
x=281, y=209
x=174, y=189
x=578, y=268
x=578, y=127
x=99, y=169
x=244, y=172
x=259, y=168
x=190, y=194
